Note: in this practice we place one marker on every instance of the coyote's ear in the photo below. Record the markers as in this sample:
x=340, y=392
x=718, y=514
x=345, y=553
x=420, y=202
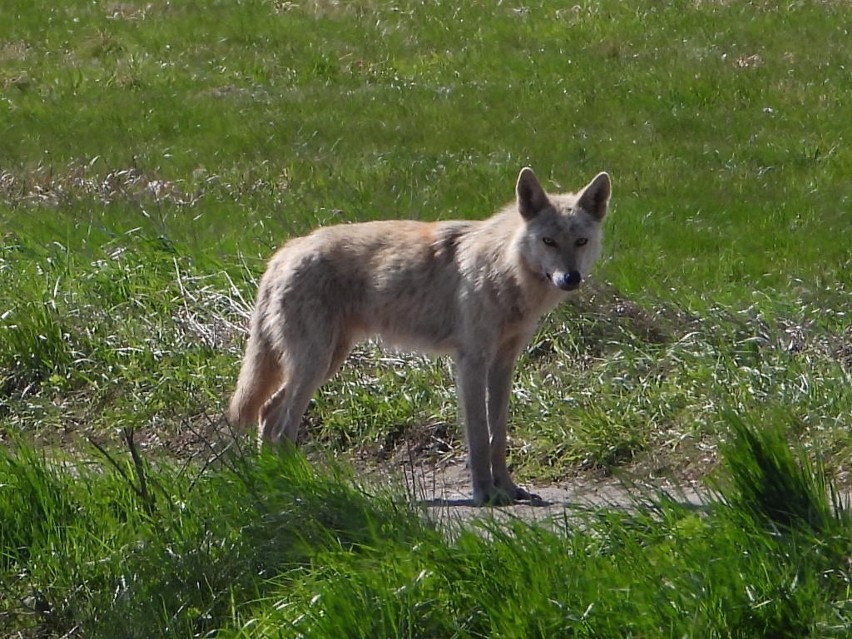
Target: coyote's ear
x=595, y=197
x=531, y=197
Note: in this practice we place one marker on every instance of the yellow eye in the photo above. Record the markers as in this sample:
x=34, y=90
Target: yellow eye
x=582, y=241
x=548, y=241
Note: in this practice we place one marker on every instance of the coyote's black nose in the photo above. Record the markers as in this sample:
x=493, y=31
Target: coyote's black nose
x=569, y=281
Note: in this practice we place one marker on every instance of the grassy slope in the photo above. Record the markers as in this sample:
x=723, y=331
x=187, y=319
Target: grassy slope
x=152, y=155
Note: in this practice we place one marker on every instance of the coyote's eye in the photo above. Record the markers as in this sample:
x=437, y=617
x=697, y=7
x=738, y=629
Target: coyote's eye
x=548, y=241
x=581, y=241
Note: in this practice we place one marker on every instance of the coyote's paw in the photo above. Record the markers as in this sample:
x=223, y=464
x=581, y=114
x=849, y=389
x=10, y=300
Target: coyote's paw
x=492, y=497
x=524, y=495
x=507, y=486
x=502, y=497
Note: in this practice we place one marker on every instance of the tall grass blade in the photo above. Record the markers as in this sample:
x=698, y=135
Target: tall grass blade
x=774, y=484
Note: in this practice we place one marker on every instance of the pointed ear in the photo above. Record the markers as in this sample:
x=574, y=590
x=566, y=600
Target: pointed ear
x=595, y=197
x=531, y=197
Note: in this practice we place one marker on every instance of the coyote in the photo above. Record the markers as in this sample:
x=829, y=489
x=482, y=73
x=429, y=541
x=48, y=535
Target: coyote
x=472, y=289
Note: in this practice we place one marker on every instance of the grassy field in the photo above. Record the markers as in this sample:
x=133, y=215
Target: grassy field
x=153, y=155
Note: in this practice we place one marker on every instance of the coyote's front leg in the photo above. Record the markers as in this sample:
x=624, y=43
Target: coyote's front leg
x=499, y=389
x=471, y=374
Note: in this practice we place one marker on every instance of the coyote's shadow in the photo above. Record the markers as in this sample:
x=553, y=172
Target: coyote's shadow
x=462, y=502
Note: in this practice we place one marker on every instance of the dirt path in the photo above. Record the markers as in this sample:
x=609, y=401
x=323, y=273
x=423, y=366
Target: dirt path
x=445, y=491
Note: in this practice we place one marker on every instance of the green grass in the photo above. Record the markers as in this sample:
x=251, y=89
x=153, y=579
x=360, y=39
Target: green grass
x=275, y=546
x=154, y=154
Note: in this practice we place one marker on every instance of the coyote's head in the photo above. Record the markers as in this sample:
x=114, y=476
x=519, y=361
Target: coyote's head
x=562, y=233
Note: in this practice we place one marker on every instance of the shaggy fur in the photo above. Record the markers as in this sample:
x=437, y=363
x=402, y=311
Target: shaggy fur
x=474, y=290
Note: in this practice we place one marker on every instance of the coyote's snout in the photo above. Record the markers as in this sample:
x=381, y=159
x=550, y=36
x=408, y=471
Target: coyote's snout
x=567, y=281
x=475, y=290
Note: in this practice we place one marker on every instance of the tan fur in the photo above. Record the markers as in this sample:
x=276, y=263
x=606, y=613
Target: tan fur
x=475, y=290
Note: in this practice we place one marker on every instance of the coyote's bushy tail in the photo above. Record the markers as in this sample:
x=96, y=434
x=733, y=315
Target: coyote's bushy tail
x=260, y=376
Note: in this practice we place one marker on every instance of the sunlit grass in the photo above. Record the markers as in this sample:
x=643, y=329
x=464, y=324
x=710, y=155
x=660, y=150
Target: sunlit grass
x=156, y=153
x=257, y=546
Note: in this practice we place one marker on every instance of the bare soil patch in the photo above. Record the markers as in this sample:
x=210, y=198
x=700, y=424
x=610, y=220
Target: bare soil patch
x=443, y=489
